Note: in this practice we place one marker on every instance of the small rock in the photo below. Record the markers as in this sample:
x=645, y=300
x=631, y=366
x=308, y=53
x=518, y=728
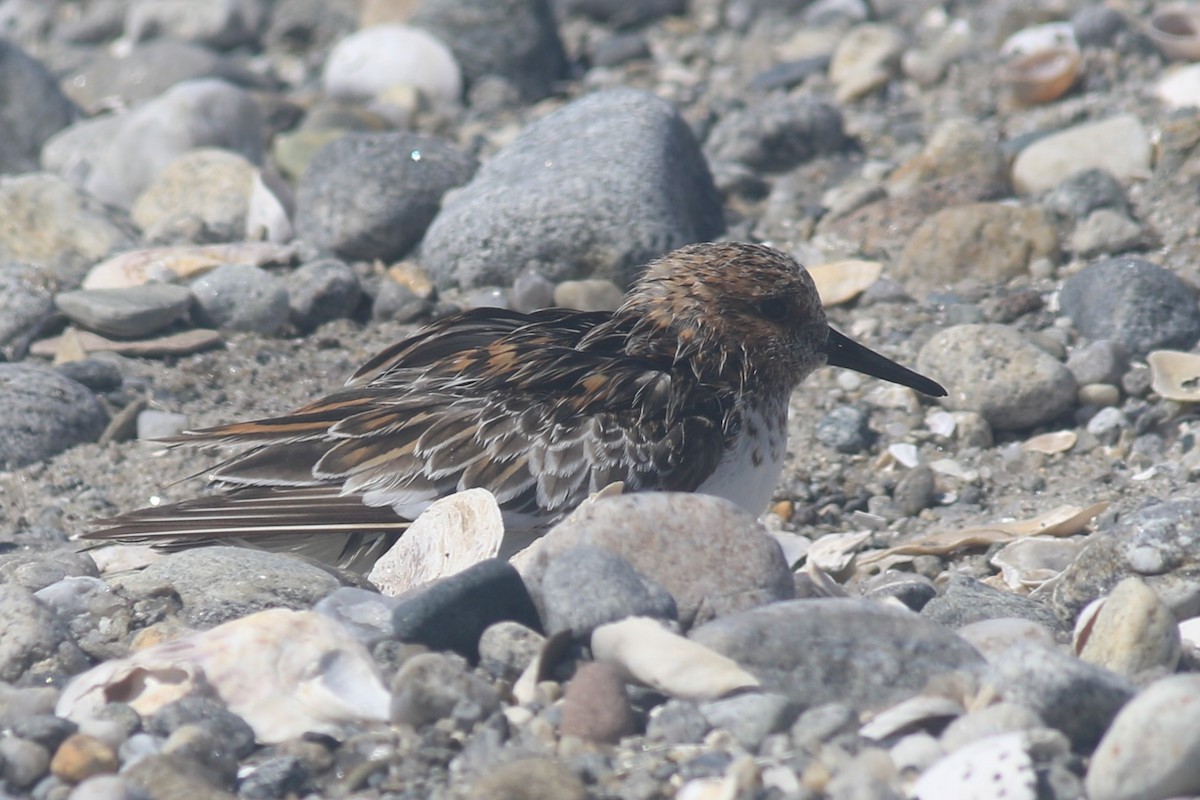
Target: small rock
x=625, y=155
x=80, y=757
x=202, y=196
x=1152, y=749
x=1083, y=193
x=35, y=642
x=322, y=291
x=107, y=787
x=507, y=648
x=588, y=295
x=372, y=195
x=1107, y=425
x=751, y=717
x=587, y=586
x=131, y=313
x=26, y=301
x=1134, y=631
x=453, y=613
x=677, y=722
x=864, y=60
x=735, y=566
x=222, y=25
x=153, y=424
x=845, y=429
x=1118, y=144
x=966, y=600
x=46, y=729
x=914, y=492
x=989, y=242
x=281, y=776
x=1097, y=26
x=859, y=653
x=1104, y=231
x=1135, y=303
x=528, y=779
x=994, y=371
x=620, y=14
x=34, y=108
x=777, y=133
x=434, y=686
x=988, y=721
x=1101, y=361
x=241, y=297
x=45, y=413
x=595, y=706
x=513, y=39
x=369, y=62
x=959, y=149
x=22, y=762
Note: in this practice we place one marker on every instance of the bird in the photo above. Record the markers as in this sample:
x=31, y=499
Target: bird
x=685, y=388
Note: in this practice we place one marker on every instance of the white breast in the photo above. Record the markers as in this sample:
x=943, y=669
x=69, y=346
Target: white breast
x=749, y=471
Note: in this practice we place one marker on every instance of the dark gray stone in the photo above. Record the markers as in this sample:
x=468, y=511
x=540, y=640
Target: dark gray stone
x=241, y=297
x=860, y=653
x=372, y=195
x=46, y=729
x=751, y=717
x=733, y=566
x=778, y=133
x=96, y=374
x=1084, y=192
x=514, y=39
x=1097, y=26
x=433, y=686
x=914, y=492
x=22, y=762
x=587, y=586
x=965, y=600
x=33, y=108
x=1133, y=302
x=233, y=732
x=621, y=13
x=452, y=614
x=593, y=190
x=1077, y=698
x=217, y=584
x=322, y=291
x=678, y=722
x=129, y=312
x=845, y=429
x=45, y=413
x=1098, y=362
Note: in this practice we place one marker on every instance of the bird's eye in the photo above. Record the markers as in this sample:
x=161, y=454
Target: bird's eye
x=774, y=309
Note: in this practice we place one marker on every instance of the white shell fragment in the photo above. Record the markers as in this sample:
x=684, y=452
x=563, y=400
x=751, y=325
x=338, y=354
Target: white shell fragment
x=170, y=264
x=645, y=651
x=841, y=281
x=284, y=672
x=1028, y=563
x=995, y=767
x=1175, y=29
x=909, y=714
x=1175, y=375
x=834, y=552
x=452, y=534
x=1051, y=443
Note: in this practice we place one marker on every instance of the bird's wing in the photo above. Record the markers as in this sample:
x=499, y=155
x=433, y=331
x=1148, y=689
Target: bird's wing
x=518, y=404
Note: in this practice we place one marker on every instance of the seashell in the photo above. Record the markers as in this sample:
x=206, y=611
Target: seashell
x=841, y=281
x=1051, y=443
x=834, y=552
x=1042, y=75
x=449, y=536
x=168, y=264
x=1176, y=31
x=645, y=651
x=1085, y=622
x=1175, y=375
x=1028, y=563
x=911, y=714
x=284, y=672
x=1039, y=37
x=997, y=766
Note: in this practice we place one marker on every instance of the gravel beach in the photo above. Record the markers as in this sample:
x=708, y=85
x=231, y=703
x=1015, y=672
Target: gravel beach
x=217, y=211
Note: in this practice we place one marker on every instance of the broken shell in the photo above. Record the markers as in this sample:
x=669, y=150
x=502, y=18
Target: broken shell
x=167, y=264
x=1043, y=75
x=1028, y=563
x=1051, y=443
x=1085, y=622
x=842, y=281
x=911, y=714
x=1038, y=38
x=1175, y=375
x=1176, y=32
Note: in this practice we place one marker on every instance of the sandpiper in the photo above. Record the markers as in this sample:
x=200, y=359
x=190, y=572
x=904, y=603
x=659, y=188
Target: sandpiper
x=684, y=388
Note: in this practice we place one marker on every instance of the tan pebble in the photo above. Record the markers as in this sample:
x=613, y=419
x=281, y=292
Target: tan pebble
x=1102, y=395
x=784, y=509
x=595, y=706
x=528, y=779
x=81, y=756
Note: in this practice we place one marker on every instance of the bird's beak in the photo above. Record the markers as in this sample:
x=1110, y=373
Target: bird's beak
x=842, y=351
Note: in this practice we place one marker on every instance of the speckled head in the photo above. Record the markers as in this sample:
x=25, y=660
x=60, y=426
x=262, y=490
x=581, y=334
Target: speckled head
x=746, y=313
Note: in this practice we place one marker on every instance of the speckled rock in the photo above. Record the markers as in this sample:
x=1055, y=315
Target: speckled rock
x=26, y=299
x=322, y=291
x=202, y=196
x=241, y=297
x=45, y=413
x=626, y=183
x=35, y=643
x=994, y=371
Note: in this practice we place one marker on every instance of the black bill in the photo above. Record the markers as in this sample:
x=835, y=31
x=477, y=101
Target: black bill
x=842, y=351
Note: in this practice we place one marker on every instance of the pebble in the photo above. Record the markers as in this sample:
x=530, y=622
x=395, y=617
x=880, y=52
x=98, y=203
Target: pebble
x=991, y=720
x=988, y=242
x=588, y=295
x=46, y=729
x=241, y=297
x=372, y=195
x=141, y=143
x=36, y=644
x=369, y=62
x=528, y=779
x=45, y=414
x=1085, y=192
x=26, y=301
x=23, y=762
x=217, y=584
x=1133, y=302
x=277, y=777
x=1151, y=751
x=82, y=756
x=625, y=155
x=34, y=108
x=107, y=787
x=1107, y=425
x=751, y=717
x=845, y=429
x=153, y=424
x=516, y=40
x=131, y=313
x=625, y=15
x=73, y=231
x=1075, y=697
x=737, y=565
x=825, y=650
x=1133, y=631
x=1180, y=87
x=322, y=291
x=202, y=196
x=433, y=686
x=994, y=371
x=965, y=600
x=777, y=133
x=595, y=706
x=864, y=60
x=1102, y=361
x=959, y=149
x=586, y=586
x=507, y=648
x=452, y=614
x=1119, y=144
x=221, y=25
x=1105, y=231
